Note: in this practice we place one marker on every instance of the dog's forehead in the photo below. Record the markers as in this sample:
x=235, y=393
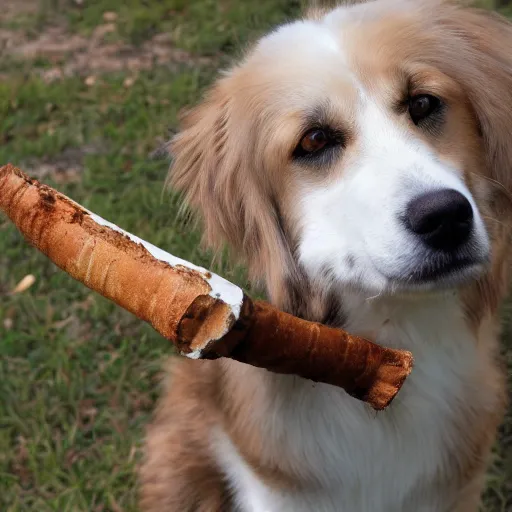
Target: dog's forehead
x=337, y=55
x=301, y=38
x=301, y=64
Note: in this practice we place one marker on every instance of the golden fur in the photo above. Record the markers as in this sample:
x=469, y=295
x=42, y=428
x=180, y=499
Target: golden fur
x=231, y=160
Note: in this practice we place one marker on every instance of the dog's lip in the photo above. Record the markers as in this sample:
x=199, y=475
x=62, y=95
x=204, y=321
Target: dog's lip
x=453, y=270
x=425, y=273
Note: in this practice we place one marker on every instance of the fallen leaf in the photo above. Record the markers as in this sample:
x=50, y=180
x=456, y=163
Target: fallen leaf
x=90, y=81
x=110, y=16
x=133, y=452
x=24, y=284
x=128, y=82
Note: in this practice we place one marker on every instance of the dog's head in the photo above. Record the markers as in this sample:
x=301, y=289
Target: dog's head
x=365, y=147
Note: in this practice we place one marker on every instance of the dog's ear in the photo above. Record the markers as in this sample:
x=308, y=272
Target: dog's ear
x=217, y=169
x=204, y=169
x=478, y=47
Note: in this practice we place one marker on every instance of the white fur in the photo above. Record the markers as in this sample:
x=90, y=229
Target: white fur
x=354, y=459
x=351, y=459
x=358, y=217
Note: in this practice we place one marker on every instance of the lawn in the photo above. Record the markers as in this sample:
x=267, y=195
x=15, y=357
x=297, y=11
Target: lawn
x=89, y=92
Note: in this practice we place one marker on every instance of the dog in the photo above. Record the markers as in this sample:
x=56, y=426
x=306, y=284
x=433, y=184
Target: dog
x=358, y=161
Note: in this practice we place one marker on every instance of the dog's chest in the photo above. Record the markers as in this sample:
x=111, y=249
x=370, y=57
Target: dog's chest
x=348, y=457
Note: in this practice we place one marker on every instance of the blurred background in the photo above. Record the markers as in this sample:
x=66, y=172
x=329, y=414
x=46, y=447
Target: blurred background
x=89, y=92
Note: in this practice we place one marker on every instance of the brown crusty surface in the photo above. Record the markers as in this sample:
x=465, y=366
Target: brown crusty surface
x=176, y=300
x=112, y=264
x=271, y=339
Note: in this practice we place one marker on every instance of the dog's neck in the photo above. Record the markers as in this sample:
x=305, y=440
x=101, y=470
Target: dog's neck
x=316, y=429
x=407, y=321
x=401, y=321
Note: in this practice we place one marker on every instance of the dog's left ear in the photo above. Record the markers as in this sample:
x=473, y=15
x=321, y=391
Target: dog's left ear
x=479, y=46
x=217, y=166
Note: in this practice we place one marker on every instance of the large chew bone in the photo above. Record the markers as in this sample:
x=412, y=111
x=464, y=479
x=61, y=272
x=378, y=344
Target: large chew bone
x=204, y=315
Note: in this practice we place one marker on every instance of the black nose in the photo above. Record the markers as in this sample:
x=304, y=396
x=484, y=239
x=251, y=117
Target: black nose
x=443, y=218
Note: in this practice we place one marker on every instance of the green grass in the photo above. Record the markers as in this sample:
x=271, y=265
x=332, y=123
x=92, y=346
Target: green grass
x=206, y=26
x=78, y=376
x=70, y=352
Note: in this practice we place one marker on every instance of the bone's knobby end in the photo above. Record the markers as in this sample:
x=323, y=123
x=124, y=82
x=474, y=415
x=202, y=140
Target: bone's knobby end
x=209, y=329
x=391, y=375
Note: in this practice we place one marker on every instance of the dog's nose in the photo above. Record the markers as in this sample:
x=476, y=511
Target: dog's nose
x=443, y=218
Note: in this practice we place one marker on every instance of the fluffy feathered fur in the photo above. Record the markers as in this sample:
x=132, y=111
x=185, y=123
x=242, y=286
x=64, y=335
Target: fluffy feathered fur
x=325, y=236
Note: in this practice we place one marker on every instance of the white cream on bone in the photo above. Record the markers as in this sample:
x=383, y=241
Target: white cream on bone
x=221, y=289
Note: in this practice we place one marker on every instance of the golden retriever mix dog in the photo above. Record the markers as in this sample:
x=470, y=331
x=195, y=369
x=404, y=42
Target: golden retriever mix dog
x=358, y=160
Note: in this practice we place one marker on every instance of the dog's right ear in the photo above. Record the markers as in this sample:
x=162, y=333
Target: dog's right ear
x=205, y=170
x=217, y=167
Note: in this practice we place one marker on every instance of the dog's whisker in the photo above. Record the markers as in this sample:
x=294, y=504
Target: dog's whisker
x=495, y=182
x=487, y=217
x=373, y=297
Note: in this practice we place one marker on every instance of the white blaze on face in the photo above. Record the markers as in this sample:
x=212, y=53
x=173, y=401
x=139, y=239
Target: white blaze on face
x=353, y=225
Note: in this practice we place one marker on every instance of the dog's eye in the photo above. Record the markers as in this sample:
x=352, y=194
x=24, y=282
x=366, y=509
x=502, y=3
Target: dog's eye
x=422, y=106
x=314, y=141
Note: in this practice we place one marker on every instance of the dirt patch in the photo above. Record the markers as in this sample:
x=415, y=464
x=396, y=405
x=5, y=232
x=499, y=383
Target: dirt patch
x=73, y=54
x=65, y=168
x=14, y=8
x=20, y=463
x=52, y=43
x=9, y=40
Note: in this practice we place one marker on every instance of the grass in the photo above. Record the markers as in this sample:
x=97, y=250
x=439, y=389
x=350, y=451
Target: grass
x=207, y=26
x=79, y=377
x=204, y=26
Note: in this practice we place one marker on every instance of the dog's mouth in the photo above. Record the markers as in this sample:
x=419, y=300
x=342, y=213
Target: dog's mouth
x=441, y=270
